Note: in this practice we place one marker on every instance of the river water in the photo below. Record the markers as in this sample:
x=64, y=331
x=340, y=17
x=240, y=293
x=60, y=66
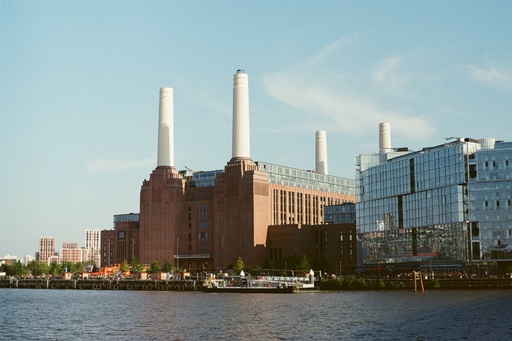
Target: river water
x=40, y=314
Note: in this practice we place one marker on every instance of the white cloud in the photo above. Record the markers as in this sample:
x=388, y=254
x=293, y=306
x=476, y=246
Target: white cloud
x=321, y=95
x=388, y=76
x=110, y=165
x=493, y=76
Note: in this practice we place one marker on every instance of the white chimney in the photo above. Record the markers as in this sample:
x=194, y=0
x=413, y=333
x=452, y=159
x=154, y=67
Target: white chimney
x=165, y=129
x=384, y=140
x=241, y=138
x=321, y=152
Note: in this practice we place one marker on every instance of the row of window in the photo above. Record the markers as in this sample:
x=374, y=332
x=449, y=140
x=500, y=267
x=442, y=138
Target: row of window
x=290, y=207
x=306, y=179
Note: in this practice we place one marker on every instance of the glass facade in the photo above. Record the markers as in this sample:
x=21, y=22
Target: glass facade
x=306, y=179
x=204, y=178
x=340, y=214
x=414, y=206
x=490, y=203
x=118, y=218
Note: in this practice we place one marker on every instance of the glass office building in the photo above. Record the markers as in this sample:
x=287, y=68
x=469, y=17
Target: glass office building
x=489, y=202
x=414, y=206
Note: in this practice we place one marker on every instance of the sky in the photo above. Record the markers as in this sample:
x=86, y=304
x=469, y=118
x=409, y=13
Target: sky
x=80, y=80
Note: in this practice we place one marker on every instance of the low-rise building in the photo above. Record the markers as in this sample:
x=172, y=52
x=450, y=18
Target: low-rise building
x=121, y=243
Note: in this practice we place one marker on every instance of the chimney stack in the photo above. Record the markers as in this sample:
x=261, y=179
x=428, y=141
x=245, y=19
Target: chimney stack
x=241, y=138
x=321, y=152
x=384, y=140
x=166, y=129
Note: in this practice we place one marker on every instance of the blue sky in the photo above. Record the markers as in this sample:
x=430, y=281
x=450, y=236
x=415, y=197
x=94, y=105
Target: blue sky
x=79, y=84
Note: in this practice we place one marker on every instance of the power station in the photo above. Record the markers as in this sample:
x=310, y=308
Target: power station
x=211, y=218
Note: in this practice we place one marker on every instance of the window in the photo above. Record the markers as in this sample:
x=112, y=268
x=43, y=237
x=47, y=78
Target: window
x=121, y=235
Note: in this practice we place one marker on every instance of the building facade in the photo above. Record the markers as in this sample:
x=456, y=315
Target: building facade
x=71, y=252
x=92, y=245
x=442, y=204
x=209, y=219
x=46, y=249
x=121, y=243
x=331, y=246
x=490, y=202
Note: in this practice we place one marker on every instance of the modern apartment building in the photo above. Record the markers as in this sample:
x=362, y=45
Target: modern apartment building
x=71, y=252
x=92, y=245
x=46, y=249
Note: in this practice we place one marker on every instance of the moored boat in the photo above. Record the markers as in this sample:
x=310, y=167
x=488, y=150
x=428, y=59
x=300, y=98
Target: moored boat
x=260, y=284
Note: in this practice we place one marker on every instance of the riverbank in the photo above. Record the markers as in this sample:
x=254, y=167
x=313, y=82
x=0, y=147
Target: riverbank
x=354, y=283
x=100, y=284
x=349, y=283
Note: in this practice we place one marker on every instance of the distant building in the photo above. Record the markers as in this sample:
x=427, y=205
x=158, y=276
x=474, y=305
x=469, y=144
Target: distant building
x=444, y=204
x=28, y=259
x=121, y=243
x=46, y=249
x=92, y=244
x=71, y=252
x=8, y=260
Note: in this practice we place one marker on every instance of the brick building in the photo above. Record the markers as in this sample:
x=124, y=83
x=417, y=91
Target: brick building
x=121, y=243
x=210, y=218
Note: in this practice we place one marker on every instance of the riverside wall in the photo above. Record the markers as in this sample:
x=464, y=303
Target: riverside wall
x=99, y=284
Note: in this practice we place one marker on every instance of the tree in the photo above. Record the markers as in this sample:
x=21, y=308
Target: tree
x=80, y=267
x=4, y=268
x=239, y=266
x=154, y=267
x=124, y=267
x=304, y=264
x=38, y=268
x=167, y=267
x=136, y=266
x=69, y=267
x=17, y=269
x=54, y=269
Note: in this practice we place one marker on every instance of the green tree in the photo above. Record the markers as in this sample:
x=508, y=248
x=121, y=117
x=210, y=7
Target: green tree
x=154, y=267
x=124, y=267
x=69, y=267
x=136, y=266
x=167, y=267
x=304, y=264
x=89, y=266
x=17, y=269
x=54, y=269
x=239, y=266
x=4, y=268
x=79, y=267
x=38, y=268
